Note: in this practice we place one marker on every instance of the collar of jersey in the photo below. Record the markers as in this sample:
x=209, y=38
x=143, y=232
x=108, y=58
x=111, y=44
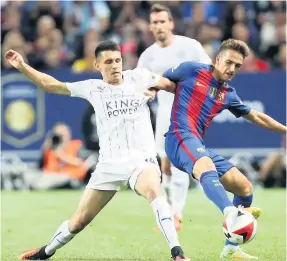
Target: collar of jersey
x=213, y=81
x=120, y=85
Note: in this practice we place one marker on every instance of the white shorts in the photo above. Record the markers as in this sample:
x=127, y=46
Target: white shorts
x=114, y=176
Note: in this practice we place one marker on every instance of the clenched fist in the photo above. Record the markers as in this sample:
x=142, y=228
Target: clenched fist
x=14, y=58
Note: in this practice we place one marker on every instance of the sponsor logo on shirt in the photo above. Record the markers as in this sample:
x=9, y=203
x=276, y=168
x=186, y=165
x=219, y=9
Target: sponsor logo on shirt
x=200, y=84
x=200, y=150
x=125, y=106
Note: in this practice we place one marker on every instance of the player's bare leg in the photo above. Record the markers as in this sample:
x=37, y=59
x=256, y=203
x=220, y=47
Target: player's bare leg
x=91, y=203
x=205, y=171
x=235, y=182
x=148, y=185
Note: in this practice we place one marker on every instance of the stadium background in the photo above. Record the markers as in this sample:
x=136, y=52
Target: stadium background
x=59, y=37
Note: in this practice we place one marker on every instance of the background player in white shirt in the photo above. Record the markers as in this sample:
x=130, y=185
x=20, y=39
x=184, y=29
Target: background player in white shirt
x=127, y=149
x=168, y=51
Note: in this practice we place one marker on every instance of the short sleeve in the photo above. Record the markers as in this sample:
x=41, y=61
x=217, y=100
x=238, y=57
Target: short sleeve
x=80, y=89
x=237, y=107
x=179, y=72
x=149, y=78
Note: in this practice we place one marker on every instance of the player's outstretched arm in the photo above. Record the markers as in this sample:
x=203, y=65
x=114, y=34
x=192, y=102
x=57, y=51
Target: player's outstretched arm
x=44, y=81
x=165, y=85
x=265, y=121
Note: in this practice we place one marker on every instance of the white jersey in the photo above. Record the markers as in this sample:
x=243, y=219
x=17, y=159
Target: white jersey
x=122, y=115
x=158, y=59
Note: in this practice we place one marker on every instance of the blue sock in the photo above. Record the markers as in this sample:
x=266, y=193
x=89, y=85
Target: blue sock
x=214, y=190
x=244, y=201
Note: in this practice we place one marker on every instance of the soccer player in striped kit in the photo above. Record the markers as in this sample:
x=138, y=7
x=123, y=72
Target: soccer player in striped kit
x=202, y=91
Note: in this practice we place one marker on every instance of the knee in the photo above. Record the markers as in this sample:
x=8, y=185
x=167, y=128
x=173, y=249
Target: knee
x=78, y=223
x=202, y=165
x=148, y=185
x=152, y=192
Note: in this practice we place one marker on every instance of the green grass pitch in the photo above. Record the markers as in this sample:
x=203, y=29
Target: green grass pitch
x=124, y=230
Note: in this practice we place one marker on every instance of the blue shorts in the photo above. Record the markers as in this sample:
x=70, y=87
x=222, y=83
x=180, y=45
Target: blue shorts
x=184, y=149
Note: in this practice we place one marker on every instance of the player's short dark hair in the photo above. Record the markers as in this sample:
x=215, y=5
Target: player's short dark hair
x=236, y=45
x=156, y=8
x=106, y=46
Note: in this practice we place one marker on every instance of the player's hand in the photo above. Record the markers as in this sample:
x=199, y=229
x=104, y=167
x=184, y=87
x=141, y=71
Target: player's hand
x=151, y=94
x=165, y=166
x=14, y=58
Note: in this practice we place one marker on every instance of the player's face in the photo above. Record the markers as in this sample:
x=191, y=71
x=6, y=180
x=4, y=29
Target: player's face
x=161, y=26
x=228, y=64
x=110, y=65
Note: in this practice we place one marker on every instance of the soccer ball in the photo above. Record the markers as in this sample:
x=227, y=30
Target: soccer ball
x=239, y=227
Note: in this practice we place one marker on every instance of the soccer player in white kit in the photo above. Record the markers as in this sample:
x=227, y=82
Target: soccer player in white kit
x=168, y=51
x=127, y=147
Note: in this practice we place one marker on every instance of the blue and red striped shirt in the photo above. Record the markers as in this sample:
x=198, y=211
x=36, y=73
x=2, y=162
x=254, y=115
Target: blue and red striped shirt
x=199, y=98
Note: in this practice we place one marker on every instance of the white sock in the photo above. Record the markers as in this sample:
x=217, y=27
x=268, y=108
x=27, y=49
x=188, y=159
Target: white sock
x=165, y=184
x=179, y=189
x=165, y=221
x=61, y=238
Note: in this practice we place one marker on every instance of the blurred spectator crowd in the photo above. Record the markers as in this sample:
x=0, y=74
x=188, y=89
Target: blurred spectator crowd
x=63, y=34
